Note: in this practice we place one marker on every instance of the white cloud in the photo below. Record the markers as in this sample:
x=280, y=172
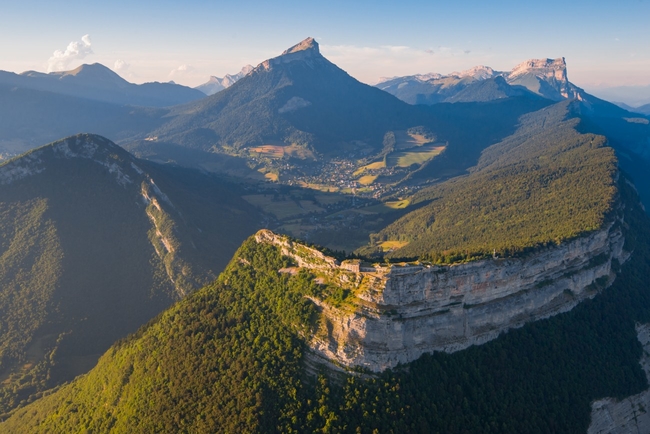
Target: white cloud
x=183, y=72
x=75, y=50
x=120, y=66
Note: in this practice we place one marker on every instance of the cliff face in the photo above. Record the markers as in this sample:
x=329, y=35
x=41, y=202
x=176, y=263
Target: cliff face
x=395, y=314
x=629, y=415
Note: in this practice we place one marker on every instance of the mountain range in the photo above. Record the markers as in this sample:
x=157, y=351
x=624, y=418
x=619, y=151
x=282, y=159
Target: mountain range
x=544, y=77
x=97, y=82
x=294, y=99
x=643, y=109
x=485, y=201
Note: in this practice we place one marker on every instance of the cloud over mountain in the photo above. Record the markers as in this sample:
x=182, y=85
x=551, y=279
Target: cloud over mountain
x=76, y=50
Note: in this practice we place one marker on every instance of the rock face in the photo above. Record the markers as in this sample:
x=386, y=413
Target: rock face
x=217, y=84
x=544, y=77
x=305, y=51
x=394, y=314
x=630, y=415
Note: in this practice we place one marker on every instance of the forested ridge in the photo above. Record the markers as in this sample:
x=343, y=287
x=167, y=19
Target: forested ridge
x=230, y=358
x=79, y=267
x=545, y=184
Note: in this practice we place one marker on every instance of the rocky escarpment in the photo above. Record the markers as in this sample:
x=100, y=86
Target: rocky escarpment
x=395, y=313
x=546, y=77
x=632, y=414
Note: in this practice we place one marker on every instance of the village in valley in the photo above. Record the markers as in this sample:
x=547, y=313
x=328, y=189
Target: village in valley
x=351, y=195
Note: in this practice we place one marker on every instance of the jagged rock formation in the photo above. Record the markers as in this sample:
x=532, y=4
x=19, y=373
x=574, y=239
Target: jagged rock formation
x=631, y=414
x=217, y=84
x=543, y=77
x=307, y=51
x=394, y=314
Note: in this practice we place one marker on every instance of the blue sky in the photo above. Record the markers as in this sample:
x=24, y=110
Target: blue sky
x=605, y=43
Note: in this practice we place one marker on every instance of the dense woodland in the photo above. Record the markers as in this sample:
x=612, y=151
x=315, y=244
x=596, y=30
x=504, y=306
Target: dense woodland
x=545, y=184
x=230, y=358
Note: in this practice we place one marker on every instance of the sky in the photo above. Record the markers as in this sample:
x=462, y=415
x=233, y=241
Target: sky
x=605, y=43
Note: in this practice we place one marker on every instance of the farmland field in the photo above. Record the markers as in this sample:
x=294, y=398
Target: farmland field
x=387, y=246
x=412, y=156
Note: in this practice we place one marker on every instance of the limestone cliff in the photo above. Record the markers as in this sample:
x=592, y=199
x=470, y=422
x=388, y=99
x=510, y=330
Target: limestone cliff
x=395, y=313
x=630, y=415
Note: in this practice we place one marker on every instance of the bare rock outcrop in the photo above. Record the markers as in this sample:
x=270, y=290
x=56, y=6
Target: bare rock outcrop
x=394, y=313
x=632, y=414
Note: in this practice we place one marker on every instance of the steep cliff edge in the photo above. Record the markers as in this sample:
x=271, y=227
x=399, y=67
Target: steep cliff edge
x=385, y=314
x=631, y=414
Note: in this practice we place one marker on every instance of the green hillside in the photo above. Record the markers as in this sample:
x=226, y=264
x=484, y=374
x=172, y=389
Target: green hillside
x=544, y=184
x=87, y=260
x=230, y=358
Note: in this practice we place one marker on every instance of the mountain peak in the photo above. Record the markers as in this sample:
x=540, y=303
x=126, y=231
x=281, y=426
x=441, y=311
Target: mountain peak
x=216, y=84
x=545, y=77
x=308, y=44
x=556, y=67
x=94, y=71
x=306, y=51
x=479, y=72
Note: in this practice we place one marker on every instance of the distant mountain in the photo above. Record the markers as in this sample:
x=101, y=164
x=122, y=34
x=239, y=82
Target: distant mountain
x=544, y=77
x=99, y=83
x=489, y=89
x=634, y=96
x=297, y=98
x=434, y=88
x=624, y=106
x=217, y=84
x=644, y=109
x=95, y=243
x=30, y=117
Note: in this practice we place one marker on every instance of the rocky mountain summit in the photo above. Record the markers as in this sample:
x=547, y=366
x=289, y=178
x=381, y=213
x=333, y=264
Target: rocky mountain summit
x=307, y=51
x=217, y=84
x=544, y=77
